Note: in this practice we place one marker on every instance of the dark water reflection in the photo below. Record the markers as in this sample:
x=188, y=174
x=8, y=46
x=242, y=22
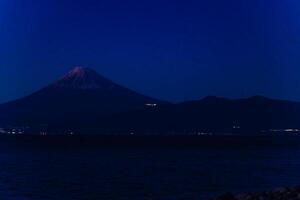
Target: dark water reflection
x=38, y=168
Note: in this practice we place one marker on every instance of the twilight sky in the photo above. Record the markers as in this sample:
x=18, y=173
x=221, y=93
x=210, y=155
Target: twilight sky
x=169, y=49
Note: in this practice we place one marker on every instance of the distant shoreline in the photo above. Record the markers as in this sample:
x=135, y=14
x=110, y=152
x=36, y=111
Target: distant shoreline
x=217, y=141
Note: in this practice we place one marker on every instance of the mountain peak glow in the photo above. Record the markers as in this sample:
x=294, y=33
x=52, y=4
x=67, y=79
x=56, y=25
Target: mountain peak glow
x=83, y=78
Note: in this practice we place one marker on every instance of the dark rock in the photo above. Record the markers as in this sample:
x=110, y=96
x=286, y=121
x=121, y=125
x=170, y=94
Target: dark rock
x=280, y=190
x=276, y=194
x=296, y=188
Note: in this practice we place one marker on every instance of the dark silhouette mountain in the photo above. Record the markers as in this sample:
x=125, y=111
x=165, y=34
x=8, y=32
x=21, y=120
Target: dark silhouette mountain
x=211, y=115
x=84, y=101
x=79, y=95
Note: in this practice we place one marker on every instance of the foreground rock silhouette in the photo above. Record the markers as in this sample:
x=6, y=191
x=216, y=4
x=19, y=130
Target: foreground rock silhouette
x=276, y=194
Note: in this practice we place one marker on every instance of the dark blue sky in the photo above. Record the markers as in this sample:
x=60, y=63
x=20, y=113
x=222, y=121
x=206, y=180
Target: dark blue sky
x=173, y=50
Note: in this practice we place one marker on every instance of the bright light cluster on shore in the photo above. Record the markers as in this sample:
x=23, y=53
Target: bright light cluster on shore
x=151, y=104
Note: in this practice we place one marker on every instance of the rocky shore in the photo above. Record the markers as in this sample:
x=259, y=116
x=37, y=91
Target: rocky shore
x=276, y=194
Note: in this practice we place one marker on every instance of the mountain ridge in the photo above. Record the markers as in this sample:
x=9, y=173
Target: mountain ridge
x=85, y=101
x=80, y=93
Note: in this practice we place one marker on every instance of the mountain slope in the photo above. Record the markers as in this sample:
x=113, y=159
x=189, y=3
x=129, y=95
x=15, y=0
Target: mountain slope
x=84, y=101
x=211, y=114
x=80, y=94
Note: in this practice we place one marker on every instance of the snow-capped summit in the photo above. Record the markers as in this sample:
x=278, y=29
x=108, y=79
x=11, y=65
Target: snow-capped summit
x=83, y=78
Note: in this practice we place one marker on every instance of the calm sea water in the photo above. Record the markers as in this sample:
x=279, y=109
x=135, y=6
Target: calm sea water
x=41, y=168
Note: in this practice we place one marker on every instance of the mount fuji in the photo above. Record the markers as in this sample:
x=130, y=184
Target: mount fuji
x=81, y=94
x=84, y=101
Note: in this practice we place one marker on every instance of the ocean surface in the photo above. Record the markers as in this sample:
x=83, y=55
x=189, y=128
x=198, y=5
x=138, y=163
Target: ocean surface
x=137, y=168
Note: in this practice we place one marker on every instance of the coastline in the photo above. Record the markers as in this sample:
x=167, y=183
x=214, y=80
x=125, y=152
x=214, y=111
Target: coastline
x=283, y=193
